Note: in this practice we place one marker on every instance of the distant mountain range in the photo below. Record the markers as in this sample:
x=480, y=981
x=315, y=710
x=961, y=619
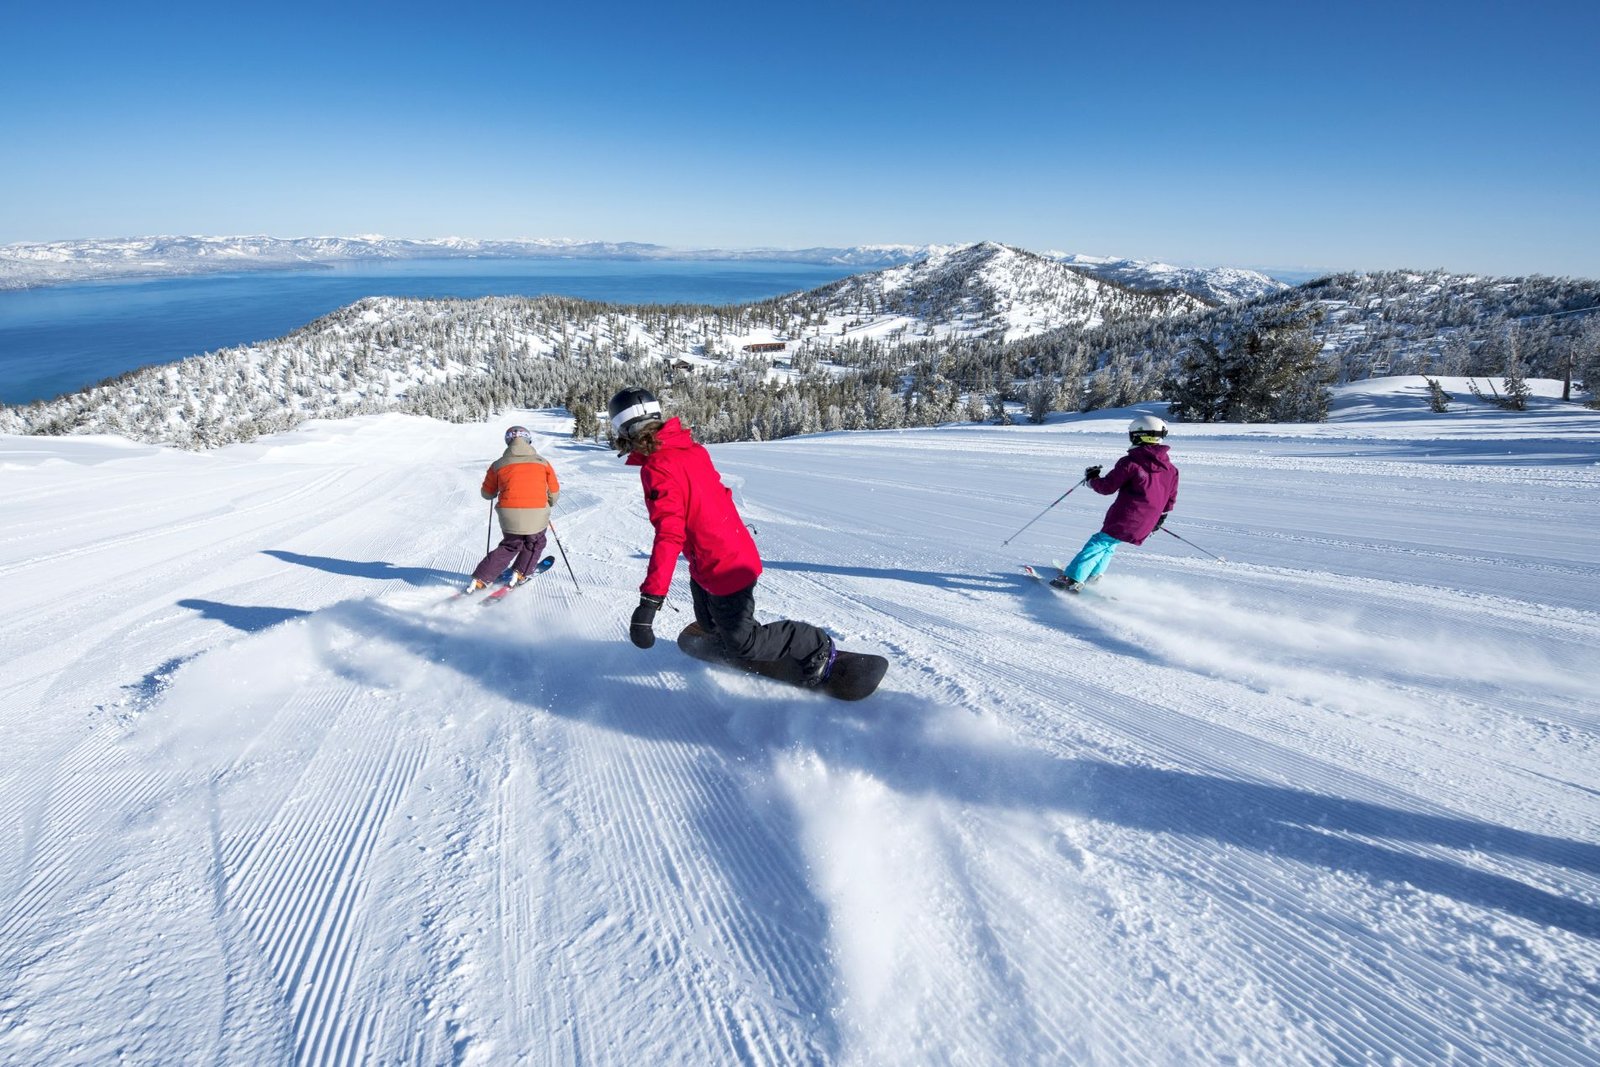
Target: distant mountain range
x=61, y=262
x=958, y=327
x=453, y=357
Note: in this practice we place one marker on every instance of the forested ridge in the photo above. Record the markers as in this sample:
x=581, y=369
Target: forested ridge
x=984, y=332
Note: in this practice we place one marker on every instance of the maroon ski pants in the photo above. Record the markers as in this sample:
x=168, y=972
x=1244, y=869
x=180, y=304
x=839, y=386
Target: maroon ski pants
x=520, y=551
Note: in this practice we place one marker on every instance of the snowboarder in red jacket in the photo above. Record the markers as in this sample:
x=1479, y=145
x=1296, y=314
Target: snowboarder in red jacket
x=1146, y=484
x=693, y=514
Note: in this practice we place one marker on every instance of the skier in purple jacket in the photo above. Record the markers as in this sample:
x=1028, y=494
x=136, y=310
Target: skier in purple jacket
x=1146, y=484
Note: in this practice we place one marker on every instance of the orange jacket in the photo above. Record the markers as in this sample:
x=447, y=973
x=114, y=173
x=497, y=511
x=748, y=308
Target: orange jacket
x=526, y=484
x=526, y=487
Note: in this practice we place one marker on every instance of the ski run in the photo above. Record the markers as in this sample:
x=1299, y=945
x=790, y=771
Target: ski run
x=268, y=796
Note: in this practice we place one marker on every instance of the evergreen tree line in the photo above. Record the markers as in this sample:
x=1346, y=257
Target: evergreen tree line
x=1337, y=330
x=464, y=360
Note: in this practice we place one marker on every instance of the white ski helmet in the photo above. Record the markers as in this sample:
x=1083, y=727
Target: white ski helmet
x=515, y=432
x=1146, y=430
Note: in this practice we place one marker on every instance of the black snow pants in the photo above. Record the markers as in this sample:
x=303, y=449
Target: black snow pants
x=733, y=619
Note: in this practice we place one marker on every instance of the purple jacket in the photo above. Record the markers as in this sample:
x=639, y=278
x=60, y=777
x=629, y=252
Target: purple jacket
x=1146, y=484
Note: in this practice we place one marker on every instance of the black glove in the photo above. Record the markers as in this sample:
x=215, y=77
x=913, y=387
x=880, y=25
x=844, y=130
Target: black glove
x=639, y=632
x=1091, y=473
x=1161, y=520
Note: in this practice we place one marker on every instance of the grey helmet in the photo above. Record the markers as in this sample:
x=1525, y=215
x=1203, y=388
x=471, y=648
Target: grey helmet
x=514, y=432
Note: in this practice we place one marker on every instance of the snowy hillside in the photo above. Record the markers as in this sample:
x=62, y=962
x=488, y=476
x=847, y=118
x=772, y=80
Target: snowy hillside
x=385, y=354
x=55, y=262
x=1409, y=321
x=267, y=796
x=1001, y=290
x=1214, y=285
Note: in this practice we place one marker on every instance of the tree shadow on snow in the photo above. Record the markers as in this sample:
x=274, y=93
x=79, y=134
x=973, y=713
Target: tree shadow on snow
x=896, y=739
x=1280, y=821
x=937, y=579
x=1522, y=452
x=379, y=570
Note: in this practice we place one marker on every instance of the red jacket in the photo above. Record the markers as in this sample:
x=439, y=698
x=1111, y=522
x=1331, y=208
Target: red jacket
x=693, y=513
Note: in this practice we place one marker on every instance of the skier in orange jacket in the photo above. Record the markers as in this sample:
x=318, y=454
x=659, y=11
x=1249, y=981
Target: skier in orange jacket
x=525, y=488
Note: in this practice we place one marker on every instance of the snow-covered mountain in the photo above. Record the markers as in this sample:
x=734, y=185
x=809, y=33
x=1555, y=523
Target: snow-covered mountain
x=385, y=353
x=266, y=797
x=1004, y=291
x=1388, y=322
x=1214, y=285
x=1407, y=322
x=462, y=358
x=23, y=265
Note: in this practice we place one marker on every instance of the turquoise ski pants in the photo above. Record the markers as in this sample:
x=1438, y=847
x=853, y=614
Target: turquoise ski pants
x=1093, y=558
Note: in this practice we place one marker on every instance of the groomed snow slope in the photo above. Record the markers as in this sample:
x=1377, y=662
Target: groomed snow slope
x=266, y=796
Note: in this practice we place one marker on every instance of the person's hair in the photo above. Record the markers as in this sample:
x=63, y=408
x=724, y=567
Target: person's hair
x=641, y=438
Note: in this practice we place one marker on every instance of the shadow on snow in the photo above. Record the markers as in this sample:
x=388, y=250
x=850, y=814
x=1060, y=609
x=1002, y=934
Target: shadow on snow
x=607, y=685
x=937, y=579
x=241, y=617
x=379, y=570
x=888, y=739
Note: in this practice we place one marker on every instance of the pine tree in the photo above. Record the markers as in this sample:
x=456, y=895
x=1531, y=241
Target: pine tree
x=1517, y=390
x=1266, y=369
x=1438, y=399
x=1199, y=390
x=1041, y=394
x=1586, y=361
x=585, y=423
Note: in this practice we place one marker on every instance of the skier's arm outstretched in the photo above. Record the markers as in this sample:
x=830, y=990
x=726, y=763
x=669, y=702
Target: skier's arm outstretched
x=1108, y=484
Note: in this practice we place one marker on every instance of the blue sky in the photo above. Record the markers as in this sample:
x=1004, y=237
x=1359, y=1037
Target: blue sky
x=1355, y=136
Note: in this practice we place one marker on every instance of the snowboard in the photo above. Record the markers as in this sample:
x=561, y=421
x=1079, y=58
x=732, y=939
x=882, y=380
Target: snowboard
x=855, y=675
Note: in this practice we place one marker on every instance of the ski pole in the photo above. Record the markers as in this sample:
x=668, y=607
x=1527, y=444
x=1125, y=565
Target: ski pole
x=564, y=558
x=489, y=533
x=1041, y=514
x=1194, y=546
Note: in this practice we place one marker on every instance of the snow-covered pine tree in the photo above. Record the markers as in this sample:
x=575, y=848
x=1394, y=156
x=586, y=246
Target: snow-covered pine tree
x=1261, y=369
x=1438, y=399
x=1517, y=389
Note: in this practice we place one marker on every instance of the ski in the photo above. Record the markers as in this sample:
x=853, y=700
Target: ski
x=1042, y=579
x=500, y=593
x=1091, y=587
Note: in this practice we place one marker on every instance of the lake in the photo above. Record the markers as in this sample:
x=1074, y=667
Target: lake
x=58, y=339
